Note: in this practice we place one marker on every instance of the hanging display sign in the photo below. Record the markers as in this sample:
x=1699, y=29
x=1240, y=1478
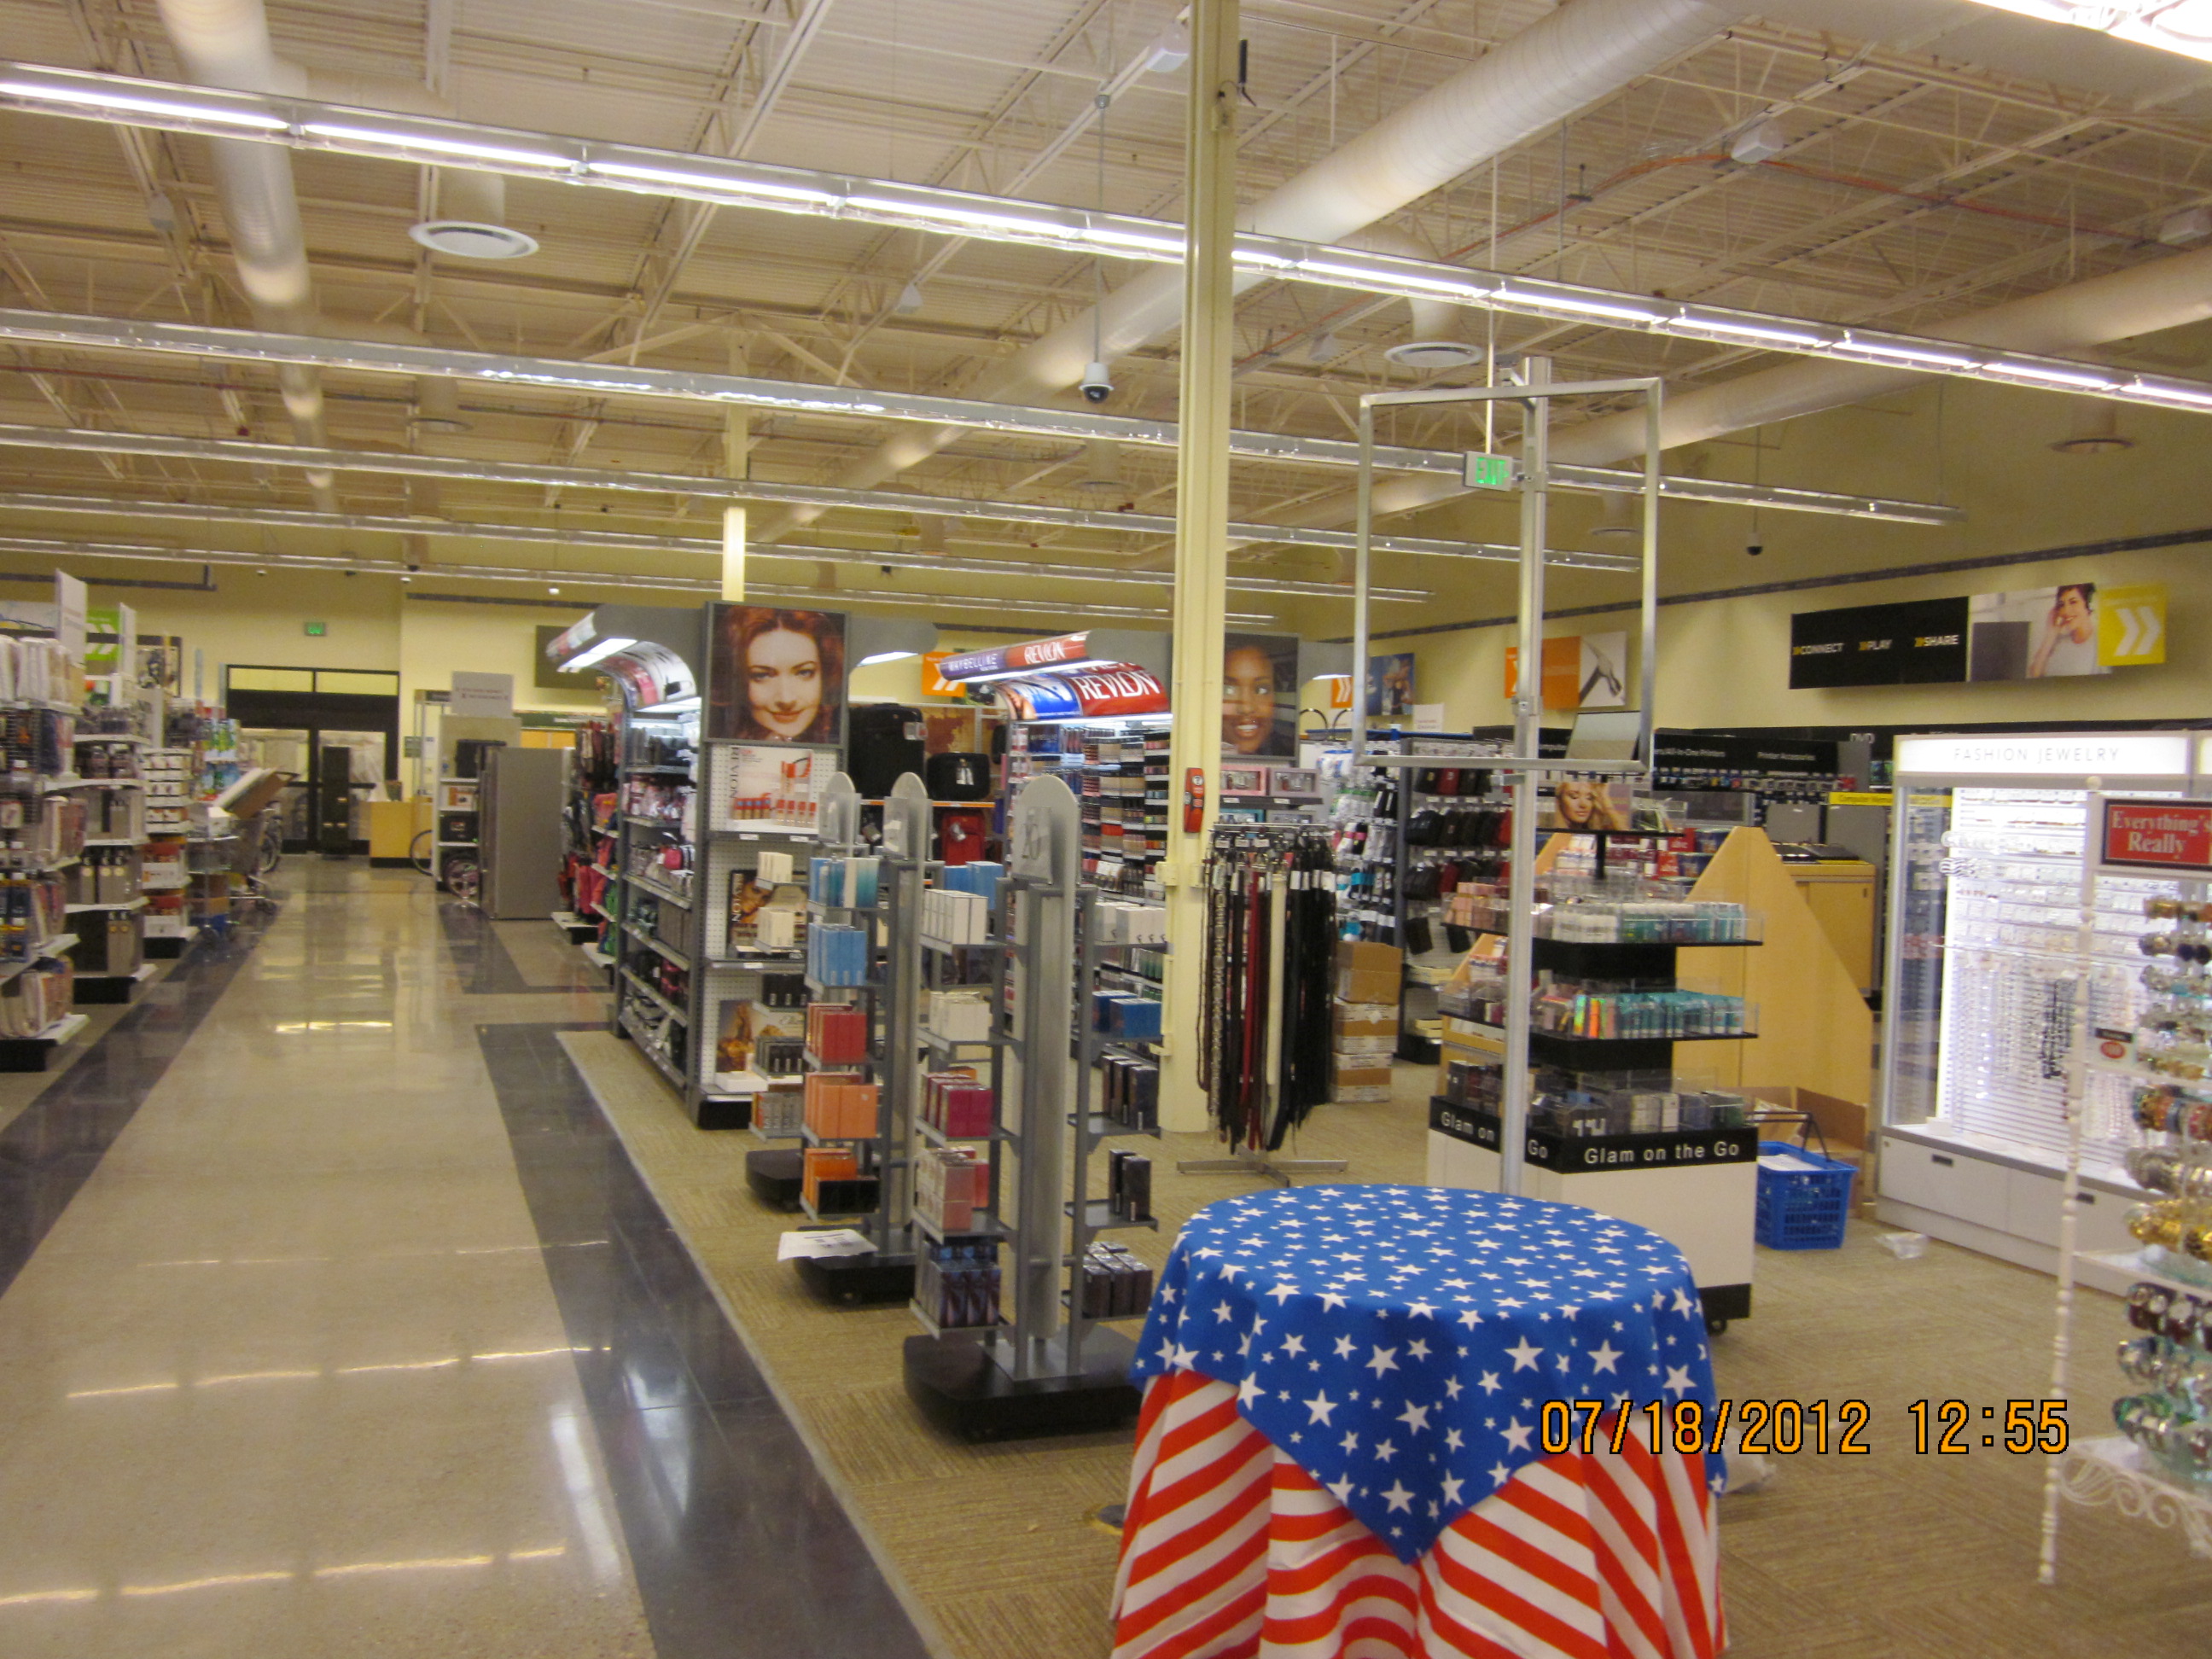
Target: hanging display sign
x=1113, y=691
x=70, y=613
x=2064, y=631
x=1008, y=659
x=1579, y=671
x=2168, y=837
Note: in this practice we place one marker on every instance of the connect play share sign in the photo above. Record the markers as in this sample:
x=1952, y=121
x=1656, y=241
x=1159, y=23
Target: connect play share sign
x=2173, y=835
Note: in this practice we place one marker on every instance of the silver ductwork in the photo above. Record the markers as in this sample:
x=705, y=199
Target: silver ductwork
x=225, y=43
x=1577, y=55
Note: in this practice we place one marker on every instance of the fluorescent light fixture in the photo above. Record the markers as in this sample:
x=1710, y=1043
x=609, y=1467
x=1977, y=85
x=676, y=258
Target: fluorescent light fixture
x=673, y=706
x=1580, y=305
x=461, y=149
x=2086, y=379
x=887, y=656
x=1911, y=356
x=2182, y=27
x=1760, y=332
x=135, y=104
x=684, y=179
x=599, y=653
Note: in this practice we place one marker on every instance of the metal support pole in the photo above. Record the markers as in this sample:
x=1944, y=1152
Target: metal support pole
x=1201, y=534
x=1527, y=710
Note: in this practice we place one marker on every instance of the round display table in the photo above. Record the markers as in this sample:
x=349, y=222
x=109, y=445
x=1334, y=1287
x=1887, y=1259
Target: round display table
x=1421, y=1420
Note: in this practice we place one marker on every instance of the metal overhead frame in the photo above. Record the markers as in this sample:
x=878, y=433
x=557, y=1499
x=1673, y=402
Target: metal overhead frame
x=1533, y=480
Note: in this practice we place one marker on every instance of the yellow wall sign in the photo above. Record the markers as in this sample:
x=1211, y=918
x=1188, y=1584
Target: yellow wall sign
x=2131, y=625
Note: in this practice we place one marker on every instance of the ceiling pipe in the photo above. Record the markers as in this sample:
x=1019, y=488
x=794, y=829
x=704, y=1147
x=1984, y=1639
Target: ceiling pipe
x=1567, y=61
x=225, y=43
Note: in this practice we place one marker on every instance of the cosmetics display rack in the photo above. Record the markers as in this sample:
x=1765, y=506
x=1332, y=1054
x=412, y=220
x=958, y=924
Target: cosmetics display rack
x=594, y=784
x=107, y=897
x=1612, y=1125
x=169, y=773
x=1043, y=1366
x=2137, y=1071
x=42, y=802
x=889, y=996
x=1405, y=837
x=1118, y=770
x=651, y=856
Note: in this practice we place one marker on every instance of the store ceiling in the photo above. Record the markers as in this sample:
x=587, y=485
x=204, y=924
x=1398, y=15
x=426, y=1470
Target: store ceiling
x=1934, y=160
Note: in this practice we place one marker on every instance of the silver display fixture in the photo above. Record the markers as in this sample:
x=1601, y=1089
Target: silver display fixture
x=1528, y=476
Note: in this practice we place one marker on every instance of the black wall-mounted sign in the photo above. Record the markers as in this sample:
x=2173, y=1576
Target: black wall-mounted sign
x=1716, y=753
x=1920, y=643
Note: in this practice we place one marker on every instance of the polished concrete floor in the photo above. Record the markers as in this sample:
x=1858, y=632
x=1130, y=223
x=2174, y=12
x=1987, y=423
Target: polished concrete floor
x=333, y=1323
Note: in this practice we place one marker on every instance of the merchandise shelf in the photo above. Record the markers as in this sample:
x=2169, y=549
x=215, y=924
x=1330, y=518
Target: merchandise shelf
x=979, y=1332
x=138, y=904
x=651, y=944
x=655, y=998
x=2114, y=1470
x=1099, y=1217
x=991, y=1227
x=646, y=1045
x=1099, y=1126
x=936, y=1137
x=654, y=888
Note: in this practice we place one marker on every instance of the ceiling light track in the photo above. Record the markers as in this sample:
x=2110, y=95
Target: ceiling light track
x=90, y=442
x=693, y=386
x=305, y=124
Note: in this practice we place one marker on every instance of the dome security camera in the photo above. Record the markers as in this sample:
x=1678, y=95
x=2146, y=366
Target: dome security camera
x=1754, y=549
x=1098, y=385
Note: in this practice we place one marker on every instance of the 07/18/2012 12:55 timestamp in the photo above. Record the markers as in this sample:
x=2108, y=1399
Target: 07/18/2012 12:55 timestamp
x=1940, y=1427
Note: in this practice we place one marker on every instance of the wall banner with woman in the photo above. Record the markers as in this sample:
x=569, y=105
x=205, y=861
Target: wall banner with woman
x=775, y=676
x=2067, y=630
x=1260, y=695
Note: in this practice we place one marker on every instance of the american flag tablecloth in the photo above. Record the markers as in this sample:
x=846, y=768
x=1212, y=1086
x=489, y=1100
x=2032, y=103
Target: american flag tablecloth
x=1341, y=1452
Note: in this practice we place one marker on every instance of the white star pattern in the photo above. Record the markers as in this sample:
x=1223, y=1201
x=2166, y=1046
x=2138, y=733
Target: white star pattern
x=1338, y=1280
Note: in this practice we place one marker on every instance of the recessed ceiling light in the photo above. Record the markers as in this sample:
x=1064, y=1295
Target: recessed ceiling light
x=1432, y=355
x=465, y=239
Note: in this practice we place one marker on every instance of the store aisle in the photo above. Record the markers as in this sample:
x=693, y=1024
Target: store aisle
x=288, y=1376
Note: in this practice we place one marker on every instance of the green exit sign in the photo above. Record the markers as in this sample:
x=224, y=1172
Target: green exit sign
x=317, y=627
x=1489, y=471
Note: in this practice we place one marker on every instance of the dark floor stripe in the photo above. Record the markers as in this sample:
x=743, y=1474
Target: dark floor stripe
x=741, y=1549
x=55, y=1144
x=486, y=967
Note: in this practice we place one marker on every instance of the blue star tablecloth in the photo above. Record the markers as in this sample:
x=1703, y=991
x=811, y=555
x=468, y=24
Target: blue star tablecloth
x=1399, y=1343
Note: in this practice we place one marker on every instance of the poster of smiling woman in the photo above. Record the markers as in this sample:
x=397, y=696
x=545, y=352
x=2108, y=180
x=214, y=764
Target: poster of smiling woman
x=778, y=676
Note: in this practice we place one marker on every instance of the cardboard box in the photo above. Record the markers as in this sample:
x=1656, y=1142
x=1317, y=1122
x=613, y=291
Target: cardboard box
x=1361, y=1077
x=1368, y=985
x=1364, y=1020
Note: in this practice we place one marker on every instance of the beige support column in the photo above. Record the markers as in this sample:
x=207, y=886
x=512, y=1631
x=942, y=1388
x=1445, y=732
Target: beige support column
x=1201, y=531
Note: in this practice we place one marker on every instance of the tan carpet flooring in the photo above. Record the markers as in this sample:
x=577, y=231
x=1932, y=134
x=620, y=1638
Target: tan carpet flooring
x=1889, y=1554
